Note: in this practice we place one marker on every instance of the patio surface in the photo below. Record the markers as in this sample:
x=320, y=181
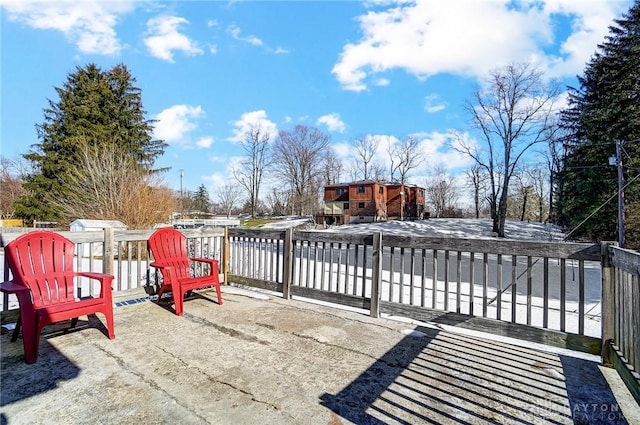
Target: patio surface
x=259, y=359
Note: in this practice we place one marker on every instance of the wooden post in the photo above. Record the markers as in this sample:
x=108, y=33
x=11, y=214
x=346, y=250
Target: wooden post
x=288, y=263
x=608, y=303
x=226, y=246
x=376, y=274
x=108, y=256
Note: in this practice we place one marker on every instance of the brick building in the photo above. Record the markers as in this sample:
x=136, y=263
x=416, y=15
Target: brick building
x=372, y=201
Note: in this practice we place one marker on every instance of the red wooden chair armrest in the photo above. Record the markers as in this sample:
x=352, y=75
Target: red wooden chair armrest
x=169, y=269
x=209, y=261
x=97, y=276
x=13, y=288
x=203, y=260
x=105, y=280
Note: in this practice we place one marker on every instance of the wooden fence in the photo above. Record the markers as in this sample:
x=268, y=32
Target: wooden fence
x=543, y=286
x=580, y=296
x=621, y=314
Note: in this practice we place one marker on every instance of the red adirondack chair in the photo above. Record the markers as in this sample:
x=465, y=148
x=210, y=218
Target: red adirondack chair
x=41, y=263
x=169, y=249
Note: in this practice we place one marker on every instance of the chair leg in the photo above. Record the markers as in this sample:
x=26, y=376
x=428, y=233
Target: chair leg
x=178, y=299
x=108, y=314
x=160, y=292
x=219, y=292
x=30, y=339
x=16, y=330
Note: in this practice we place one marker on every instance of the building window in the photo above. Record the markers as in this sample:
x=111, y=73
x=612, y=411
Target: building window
x=420, y=192
x=360, y=204
x=381, y=189
x=345, y=206
x=340, y=191
x=360, y=189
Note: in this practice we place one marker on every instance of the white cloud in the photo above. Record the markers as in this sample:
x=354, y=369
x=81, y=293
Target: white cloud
x=204, y=142
x=280, y=51
x=216, y=181
x=90, y=25
x=469, y=38
x=433, y=104
x=343, y=150
x=382, y=82
x=332, y=121
x=163, y=38
x=250, y=120
x=234, y=30
x=437, y=149
x=174, y=123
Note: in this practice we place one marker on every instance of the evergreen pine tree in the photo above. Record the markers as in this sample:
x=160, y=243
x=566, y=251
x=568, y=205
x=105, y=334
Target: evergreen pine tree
x=94, y=108
x=201, y=200
x=602, y=111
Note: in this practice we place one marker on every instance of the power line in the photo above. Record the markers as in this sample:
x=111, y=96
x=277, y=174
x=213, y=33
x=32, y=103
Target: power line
x=600, y=207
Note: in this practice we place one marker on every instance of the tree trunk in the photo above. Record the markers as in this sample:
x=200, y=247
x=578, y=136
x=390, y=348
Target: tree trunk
x=524, y=205
x=477, y=201
x=501, y=215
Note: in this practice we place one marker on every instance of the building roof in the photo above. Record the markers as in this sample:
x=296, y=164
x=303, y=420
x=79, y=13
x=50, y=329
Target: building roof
x=381, y=182
x=97, y=224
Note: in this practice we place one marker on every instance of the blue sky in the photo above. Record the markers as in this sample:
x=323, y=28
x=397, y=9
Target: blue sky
x=210, y=69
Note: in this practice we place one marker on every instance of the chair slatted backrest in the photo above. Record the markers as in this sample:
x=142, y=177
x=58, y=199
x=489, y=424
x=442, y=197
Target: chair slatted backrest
x=169, y=247
x=43, y=261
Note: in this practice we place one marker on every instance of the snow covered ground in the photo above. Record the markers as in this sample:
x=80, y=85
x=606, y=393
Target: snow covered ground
x=458, y=228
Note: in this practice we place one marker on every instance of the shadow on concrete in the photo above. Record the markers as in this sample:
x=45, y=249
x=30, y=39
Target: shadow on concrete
x=167, y=300
x=441, y=377
x=590, y=398
x=19, y=381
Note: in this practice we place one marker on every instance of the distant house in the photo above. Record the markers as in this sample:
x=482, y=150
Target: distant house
x=86, y=225
x=372, y=201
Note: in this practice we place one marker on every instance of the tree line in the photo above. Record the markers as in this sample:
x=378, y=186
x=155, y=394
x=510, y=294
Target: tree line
x=534, y=158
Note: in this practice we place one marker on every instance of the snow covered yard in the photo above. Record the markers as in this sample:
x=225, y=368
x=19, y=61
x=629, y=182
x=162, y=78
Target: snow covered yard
x=458, y=228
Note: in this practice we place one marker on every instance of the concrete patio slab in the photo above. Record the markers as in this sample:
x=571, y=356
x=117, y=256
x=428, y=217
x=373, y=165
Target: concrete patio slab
x=259, y=359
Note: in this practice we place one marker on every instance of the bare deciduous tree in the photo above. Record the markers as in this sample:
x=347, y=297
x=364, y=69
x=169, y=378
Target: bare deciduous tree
x=229, y=197
x=522, y=192
x=475, y=180
x=298, y=161
x=442, y=193
x=257, y=158
x=107, y=184
x=11, y=189
x=405, y=156
x=538, y=176
x=512, y=113
x=332, y=167
x=554, y=157
x=365, y=166
x=277, y=202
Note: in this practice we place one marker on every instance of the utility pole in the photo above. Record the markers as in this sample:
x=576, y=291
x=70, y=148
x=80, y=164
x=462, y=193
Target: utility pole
x=620, y=194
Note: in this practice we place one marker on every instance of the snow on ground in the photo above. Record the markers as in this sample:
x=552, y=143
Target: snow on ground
x=458, y=228
x=452, y=227
x=288, y=222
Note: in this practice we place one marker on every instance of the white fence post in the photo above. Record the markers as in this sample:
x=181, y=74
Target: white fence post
x=376, y=274
x=287, y=278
